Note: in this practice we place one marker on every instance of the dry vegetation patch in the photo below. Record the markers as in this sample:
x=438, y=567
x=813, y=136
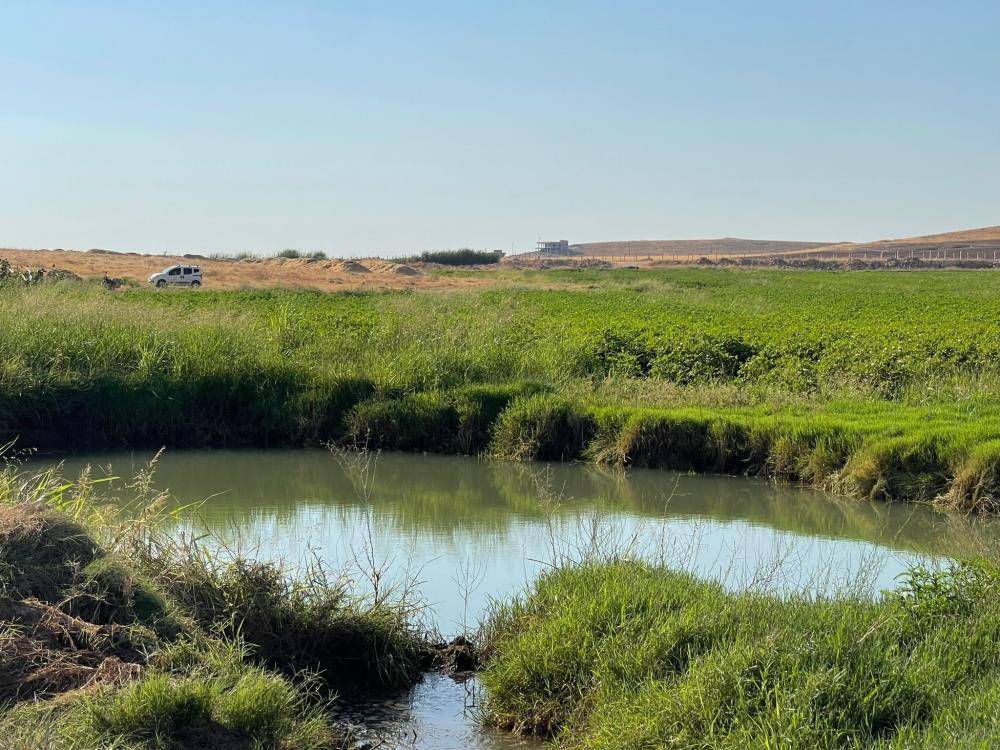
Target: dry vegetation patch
x=45, y=652
x=242, y=273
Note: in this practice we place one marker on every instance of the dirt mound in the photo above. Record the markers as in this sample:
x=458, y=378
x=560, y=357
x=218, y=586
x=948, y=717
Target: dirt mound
x=405, y=270
x=352, y=266
x=40, y=551
x=457, y=657
x=71, y=616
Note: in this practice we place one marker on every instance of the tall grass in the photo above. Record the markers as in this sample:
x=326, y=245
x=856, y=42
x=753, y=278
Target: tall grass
x=624, y=655
x=869, y=451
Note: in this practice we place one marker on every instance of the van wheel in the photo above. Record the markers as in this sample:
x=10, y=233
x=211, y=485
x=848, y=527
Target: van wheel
x=160, y=284
x=195, y=284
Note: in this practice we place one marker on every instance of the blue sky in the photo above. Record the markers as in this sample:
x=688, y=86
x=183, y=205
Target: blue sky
x=393, y=127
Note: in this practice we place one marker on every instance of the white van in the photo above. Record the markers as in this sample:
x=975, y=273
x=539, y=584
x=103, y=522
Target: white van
x=186, y=275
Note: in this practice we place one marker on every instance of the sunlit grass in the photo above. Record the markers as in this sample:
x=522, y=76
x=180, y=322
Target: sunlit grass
x=623, y=655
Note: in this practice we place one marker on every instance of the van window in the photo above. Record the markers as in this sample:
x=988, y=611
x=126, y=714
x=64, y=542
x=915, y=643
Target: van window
x=197, y=270
x=187, y=271
x=174, y=272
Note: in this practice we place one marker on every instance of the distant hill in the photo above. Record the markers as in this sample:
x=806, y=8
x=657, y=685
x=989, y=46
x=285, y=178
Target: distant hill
x=723, y=246
x=968, y=243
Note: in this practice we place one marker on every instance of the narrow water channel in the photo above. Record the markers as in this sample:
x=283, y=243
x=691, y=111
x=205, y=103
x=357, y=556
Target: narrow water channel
x=468, y=532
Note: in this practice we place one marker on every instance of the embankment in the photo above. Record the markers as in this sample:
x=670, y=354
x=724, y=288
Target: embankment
x=870, y=452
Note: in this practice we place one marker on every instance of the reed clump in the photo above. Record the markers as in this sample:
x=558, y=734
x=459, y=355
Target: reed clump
x=294, y=623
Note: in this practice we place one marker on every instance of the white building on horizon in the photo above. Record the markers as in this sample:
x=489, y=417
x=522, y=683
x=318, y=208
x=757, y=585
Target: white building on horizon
x=552, y=247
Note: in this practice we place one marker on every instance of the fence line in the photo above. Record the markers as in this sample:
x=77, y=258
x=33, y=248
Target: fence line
x=865, y=255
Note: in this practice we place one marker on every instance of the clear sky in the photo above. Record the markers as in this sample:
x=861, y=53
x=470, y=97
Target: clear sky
x=391, y=127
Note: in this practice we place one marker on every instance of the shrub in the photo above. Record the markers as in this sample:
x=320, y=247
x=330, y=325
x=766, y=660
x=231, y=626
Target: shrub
x=464, y=257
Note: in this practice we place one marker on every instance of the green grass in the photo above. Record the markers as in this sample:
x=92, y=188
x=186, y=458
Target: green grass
x=309, y=621
x=246, y=707
x=217, y=700
x=883, y=385
x=623, y=655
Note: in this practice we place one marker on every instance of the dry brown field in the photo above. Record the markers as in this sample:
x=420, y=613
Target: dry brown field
x=256, y=273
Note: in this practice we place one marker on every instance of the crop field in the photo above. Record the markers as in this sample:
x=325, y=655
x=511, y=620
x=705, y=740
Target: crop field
x=881, y=385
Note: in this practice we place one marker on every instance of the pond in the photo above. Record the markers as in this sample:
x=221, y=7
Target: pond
x=465, y=532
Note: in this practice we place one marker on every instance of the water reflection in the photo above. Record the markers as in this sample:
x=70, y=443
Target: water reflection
x=471, y=531
x=458, y=523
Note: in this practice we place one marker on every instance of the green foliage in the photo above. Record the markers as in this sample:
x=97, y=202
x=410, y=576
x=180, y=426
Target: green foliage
x=241, y=706
x=156, y=705
x=10, y=274
x=543, y=428
x=457, y=421
x=464, y=257
x=110, y=590
x=880, y=385
x=293, y=253
x=623, y=655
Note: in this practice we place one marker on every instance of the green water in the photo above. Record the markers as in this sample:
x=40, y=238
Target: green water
x=467, y=531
